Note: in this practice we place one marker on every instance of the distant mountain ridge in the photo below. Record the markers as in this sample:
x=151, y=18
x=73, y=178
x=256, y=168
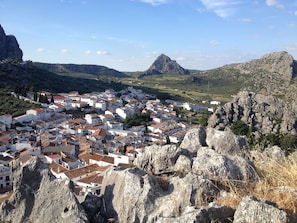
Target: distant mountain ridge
x=164, y=65
x=80, y=68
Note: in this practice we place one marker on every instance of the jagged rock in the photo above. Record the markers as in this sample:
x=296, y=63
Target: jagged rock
x=266, y=114
x=194, y=139
x=9, y=47
x=92, y=205
x=210, y=213
x=164, y=65
x=128, y=195
x=272, y=154
x=133, y=196
x=183, y=164
x=222, y=168
x=158, y=159
x=38, y=198
x=252, y=210
x=225, y=142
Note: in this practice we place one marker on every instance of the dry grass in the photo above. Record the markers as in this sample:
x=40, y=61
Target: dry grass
x=278, y=183
x=6, y=196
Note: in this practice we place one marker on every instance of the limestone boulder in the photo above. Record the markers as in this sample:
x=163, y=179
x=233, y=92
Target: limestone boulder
x=253, y=210
x=158, y=159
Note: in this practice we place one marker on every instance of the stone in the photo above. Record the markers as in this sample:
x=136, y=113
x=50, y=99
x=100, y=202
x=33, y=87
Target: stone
x=253, y=210
x=158, y=159
x=219, y=167
x=265, y=114
x=37, y=197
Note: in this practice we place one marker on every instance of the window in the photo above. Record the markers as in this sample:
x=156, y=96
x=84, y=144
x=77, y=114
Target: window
x=7, y=178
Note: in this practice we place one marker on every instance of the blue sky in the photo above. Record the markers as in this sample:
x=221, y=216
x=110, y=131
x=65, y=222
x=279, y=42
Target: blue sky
x=128, y=35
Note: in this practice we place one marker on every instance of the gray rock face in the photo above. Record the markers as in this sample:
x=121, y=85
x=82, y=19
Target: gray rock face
x=267, y=114
x=9, y=47
x=164, y=65
x=279, y=65
x=158, y=159
x=38, y=198
x=134, y=196
x=252, y=210
x=206, y=214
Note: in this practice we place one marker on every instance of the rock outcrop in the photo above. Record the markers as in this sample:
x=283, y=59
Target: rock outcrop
x=252, y=210
x=266, y=114
x=164, y=65
x=280, y=66
x=9, y=47
x=37, y=197
x=134, y=196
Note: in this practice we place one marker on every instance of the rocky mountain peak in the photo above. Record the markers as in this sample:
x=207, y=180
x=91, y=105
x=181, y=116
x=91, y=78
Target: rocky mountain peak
x=279, y=65
x=9, y=47
x=164, y=65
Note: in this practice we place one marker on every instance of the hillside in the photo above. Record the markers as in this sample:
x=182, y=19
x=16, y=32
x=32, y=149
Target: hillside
x=71, y=69
x=27, y=75
x=273, y=74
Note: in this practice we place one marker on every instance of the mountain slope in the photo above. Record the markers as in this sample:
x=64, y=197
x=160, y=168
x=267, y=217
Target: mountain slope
x=272, y=74
x=95, y=70
x=27, y=75
x=164, y=65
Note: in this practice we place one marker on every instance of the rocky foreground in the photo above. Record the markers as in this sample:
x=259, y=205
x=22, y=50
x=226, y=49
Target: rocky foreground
x=167, y=184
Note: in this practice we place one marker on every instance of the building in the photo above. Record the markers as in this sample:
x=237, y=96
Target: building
x=5, y=178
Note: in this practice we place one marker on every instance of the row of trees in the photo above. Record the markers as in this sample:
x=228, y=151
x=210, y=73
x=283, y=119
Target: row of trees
x=42, y=98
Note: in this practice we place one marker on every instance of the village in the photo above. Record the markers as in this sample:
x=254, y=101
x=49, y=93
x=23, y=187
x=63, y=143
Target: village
x=81, y=149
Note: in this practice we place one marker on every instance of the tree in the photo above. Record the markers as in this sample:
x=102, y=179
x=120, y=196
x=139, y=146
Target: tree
x=52, y=99
x=167, y=140
x=35, y=97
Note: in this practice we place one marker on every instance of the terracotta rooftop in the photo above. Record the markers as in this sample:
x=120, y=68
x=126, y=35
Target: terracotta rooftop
x=93, y=168
x=57, y=168
x=94, y=178
x=96, y=157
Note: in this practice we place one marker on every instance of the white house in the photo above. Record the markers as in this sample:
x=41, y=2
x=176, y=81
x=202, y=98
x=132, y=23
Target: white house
x=119, y=158
x=5, y=178
x=101, y=105
x=6, y=120
x=40, y=113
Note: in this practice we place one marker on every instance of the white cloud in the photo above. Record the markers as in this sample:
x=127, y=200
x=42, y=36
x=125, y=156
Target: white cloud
x=214, y=42
x=222, y=8
x=87, y=52
x=291, y=47
x=154, y=2
x=274, y=3
x=64, y=50
x=99, y=52
x=40, y=50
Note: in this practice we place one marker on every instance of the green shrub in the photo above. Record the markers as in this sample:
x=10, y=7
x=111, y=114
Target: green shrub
x=239, y=128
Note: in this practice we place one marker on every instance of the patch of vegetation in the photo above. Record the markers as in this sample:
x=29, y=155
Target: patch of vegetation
x=13, y=105
x=239, y=128
x=138, y=119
